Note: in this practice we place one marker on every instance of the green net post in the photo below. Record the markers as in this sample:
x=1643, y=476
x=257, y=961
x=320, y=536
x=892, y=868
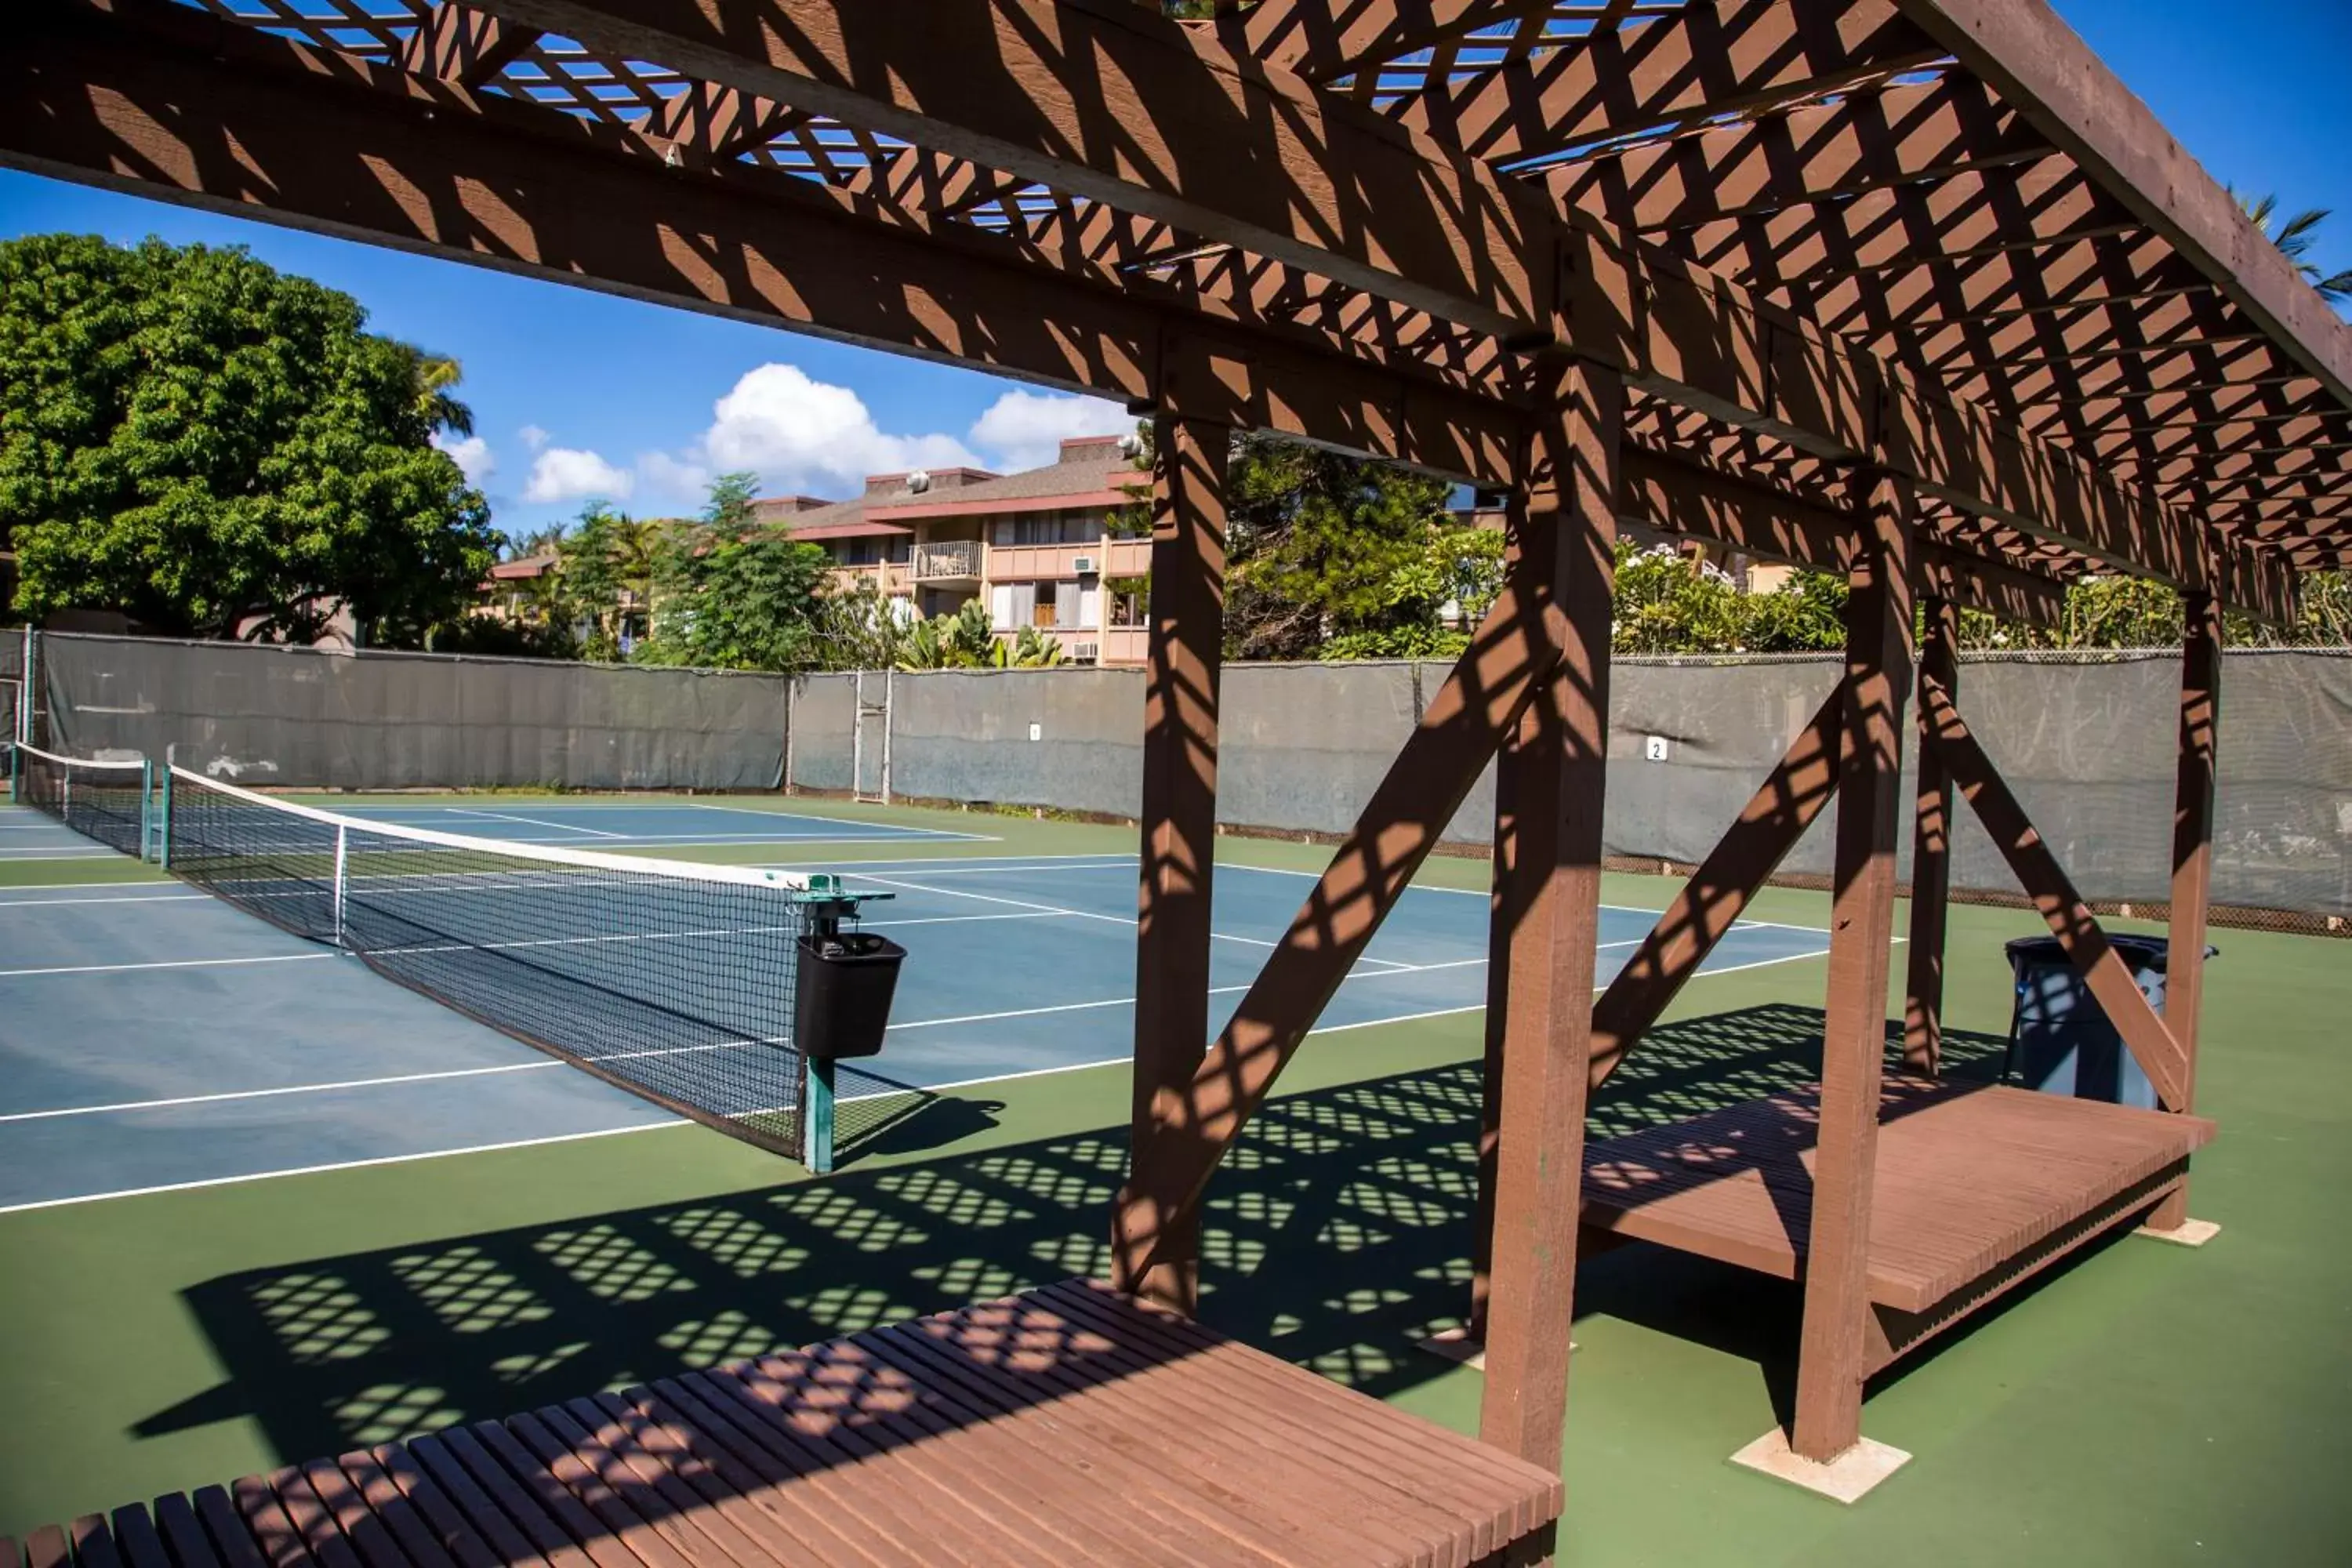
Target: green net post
x=164, y=818
x=816, y=1117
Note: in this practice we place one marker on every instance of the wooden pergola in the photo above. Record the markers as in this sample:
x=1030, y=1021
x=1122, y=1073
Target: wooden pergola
x=1909, y=289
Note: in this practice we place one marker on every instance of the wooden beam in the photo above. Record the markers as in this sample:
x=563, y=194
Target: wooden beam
x=1931, y=856
x=339, y=145
x=1179, y=821
x=1115, y=103
x=1709, y=58
x=1550, y=911
x=1320, y=40
x=2192, y=856
x=1862, y=142
x=2037, y=63
x=2046, y=883
x=1463, y=726
x=1664, y=494
x=719, y=123
x=1793, y=796
x=460, y=45
x=1834, y=1356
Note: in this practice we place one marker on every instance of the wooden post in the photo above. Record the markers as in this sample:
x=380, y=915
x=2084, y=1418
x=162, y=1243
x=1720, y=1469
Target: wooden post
x=1552, y=907
x=1931, y=858
x=1833, y=1355
x=1502, y=918
x=1179, y=822
x=2192, y=854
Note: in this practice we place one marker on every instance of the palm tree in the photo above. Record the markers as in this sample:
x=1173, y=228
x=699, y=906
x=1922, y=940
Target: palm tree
x=433, y=377
x=2294, y=237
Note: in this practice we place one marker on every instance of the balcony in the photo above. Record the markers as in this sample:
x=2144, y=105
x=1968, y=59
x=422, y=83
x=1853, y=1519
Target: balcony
x=957, y=560
x=887, y=578
x=1052, y=563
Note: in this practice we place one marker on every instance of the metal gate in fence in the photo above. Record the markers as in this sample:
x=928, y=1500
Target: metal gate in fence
x=869, y=742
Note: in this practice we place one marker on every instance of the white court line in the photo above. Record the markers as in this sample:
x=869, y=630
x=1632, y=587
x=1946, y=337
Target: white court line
x=401, y=1079
x=681, y=1121
x=274, y=1093
x=165, y=964
x=1124, y=921
x=533, y=821
x=948, y=833
x=134, y=898
x=341, y=1165
x=973, y=865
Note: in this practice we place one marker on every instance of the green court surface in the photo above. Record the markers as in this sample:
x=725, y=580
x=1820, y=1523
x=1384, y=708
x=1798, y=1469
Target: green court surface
x=2149, y=1404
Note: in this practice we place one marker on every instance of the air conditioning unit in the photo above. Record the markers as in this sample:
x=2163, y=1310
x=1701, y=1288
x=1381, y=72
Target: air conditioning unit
x=1084, y=566
x=1085, y=653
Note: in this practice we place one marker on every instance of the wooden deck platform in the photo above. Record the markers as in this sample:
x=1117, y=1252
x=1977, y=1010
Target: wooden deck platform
x=1978, y=1188
x=1065, y=1426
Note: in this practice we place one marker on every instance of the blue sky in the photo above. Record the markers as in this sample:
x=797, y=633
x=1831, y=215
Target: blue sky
x=576, y=393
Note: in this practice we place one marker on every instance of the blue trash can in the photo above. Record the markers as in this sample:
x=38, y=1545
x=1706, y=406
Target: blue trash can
x=2060, y=1039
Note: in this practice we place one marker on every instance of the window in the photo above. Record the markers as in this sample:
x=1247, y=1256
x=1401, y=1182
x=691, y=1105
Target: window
x=1048, y=528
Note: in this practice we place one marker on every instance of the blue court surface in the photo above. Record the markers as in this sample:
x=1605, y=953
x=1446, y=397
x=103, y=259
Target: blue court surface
x=151, y=1037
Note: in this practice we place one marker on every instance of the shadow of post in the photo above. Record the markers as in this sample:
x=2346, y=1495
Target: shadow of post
x=1338, y=1233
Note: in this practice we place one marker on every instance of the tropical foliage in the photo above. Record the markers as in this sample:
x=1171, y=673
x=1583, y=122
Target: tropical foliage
x=218, y=449
x=2294, y=236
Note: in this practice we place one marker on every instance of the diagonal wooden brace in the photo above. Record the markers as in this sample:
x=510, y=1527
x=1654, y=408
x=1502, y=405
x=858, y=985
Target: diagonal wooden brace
x=1464, y=726
x=2046, y=883
x=1751, y=850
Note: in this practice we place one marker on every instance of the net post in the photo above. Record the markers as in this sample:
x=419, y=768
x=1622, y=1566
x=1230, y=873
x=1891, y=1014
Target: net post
x=163, y=816
x=817, y=1116
x=342, y=852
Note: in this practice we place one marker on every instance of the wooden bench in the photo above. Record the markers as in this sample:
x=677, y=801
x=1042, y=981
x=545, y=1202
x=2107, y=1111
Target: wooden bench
x=1976, y=1189
x=1068, y=1425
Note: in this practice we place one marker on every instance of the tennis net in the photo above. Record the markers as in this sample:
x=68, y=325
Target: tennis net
x=672, y=979
x=107, y=801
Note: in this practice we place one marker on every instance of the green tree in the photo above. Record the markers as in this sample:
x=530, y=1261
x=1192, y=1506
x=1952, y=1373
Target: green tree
x=204, y=443
x=433, y=380
x=729, y=594
x=1320, y=547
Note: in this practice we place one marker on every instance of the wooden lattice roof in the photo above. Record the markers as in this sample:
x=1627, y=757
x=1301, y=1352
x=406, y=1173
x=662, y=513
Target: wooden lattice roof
x=1801, y=226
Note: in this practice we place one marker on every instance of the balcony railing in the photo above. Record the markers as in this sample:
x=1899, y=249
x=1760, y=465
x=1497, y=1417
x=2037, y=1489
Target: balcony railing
x=934, y=562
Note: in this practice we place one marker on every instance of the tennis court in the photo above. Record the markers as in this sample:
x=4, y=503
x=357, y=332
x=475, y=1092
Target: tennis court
x=153, y=1036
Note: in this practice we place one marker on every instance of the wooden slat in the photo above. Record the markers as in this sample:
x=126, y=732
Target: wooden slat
x=191, y=1546
x=93, y=1543
x=1967, y=1177
x=134, y=1536
x=461, y=1538
x=1073, y=1424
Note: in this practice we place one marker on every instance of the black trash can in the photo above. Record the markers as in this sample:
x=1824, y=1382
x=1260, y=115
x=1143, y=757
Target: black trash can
x=842, y=1003
x=2060, y=1039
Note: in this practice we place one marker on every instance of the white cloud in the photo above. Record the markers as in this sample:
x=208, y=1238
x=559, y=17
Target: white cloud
x=562, y=473
x=1025, y=429
x=800, y=434
x=680, y=483
x=534, y=438
x=471, y=452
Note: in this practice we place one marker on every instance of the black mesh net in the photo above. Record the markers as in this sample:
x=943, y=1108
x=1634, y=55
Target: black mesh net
x=106, y=801
x=675, y=982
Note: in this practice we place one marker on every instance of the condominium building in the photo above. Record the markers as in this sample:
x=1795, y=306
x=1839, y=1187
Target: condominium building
x=1036, y=547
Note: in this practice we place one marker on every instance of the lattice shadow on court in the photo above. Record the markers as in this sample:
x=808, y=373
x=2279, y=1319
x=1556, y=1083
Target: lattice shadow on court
x=1337, y=1234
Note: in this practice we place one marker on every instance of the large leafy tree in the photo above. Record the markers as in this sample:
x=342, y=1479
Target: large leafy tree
x=733, y=593
x=210, y=446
